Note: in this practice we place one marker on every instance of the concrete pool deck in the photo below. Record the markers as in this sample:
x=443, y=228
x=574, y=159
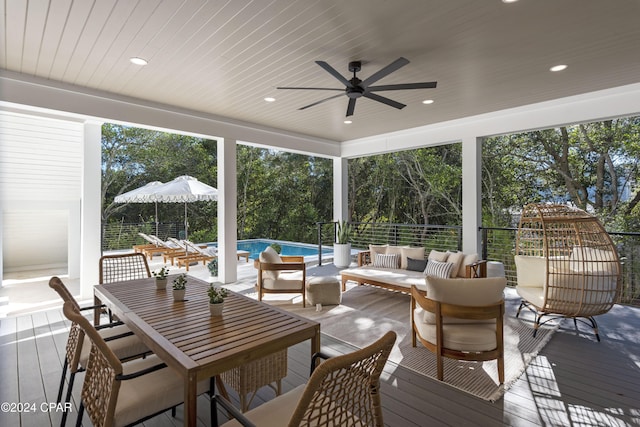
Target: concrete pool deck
x=28, y=291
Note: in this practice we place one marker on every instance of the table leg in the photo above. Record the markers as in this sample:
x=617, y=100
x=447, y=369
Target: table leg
x=96, y=311
x=315, y=344
x=190, y=402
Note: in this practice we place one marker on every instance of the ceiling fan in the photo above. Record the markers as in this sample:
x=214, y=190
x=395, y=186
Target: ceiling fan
x=356, y=88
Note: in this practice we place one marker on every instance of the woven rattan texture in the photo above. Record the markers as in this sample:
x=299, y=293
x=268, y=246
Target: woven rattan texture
x=99, y=389
x=259, y=373
x=348, y=394
x=117, y=268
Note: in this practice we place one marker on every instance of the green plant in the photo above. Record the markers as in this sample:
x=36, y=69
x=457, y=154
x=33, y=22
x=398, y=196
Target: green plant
x=162, y=273
x=216, y=295
x=276, y=247
x=213, y=267
x=343, y=232
x=180, y=282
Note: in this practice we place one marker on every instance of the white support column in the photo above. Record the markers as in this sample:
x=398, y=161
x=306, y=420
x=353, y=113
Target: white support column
x=227, y=211
x=90, y=205
x=340, y=189
x=471, y=194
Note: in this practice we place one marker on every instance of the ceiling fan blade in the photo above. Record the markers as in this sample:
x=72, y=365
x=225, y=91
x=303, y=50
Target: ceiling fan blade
x=320, y=102
x=310, y=88
x=351, y=107
x=395, y=65
x=424, y=85
x=384, y=100
x=328, y=68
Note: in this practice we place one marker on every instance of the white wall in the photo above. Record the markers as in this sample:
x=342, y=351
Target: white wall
x=40, y=179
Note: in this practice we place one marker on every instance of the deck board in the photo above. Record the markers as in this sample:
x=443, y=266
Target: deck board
x=574, y=380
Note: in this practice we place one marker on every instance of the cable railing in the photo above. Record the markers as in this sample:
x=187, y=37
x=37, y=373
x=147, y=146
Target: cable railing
x=498, y=244
x=121, y=235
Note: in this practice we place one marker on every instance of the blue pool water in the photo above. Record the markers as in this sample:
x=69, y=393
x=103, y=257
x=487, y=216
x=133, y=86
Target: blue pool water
x=255, y=246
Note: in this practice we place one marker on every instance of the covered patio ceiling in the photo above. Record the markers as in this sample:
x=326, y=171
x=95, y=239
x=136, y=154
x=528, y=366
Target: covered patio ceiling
x=221, y=59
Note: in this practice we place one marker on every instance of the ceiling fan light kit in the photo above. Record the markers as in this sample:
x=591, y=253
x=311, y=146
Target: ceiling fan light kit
x=356, y=88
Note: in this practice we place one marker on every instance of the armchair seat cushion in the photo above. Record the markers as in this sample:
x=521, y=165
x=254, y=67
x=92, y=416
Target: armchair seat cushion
x=459, y=336
x=285, y=280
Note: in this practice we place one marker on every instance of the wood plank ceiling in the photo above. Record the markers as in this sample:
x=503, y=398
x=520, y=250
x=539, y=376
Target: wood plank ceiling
x=224, y=57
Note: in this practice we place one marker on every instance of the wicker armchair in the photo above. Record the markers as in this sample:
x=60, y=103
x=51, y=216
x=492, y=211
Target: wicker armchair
x=280, y=274
x=343, y=391
x=567, y=265
x=460, y=319
x=119, y=338
x=120, y=394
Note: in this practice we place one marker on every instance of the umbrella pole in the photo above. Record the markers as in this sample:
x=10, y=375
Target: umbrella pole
x=186, y=223
x=157, y=223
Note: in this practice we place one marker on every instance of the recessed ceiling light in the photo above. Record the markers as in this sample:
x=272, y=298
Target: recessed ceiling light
x=347, y=122
x=138, y=61
x=558, y=68
x=509, y=1
x=428, y=101
x=269, y=99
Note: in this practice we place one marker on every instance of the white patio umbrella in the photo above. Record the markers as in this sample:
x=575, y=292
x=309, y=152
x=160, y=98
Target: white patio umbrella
x=144, y=194
x=184, y=189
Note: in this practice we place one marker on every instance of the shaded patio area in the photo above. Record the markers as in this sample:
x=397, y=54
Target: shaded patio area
x=573, y=380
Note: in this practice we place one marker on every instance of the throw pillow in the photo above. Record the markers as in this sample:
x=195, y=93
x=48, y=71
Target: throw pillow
x=468, y=259
x=439, y=269
x=455, y=258
x=409, y=252
x=438, y=256
x=269, y=255
x=375, y=250
x=416, y=264
x=386, y=261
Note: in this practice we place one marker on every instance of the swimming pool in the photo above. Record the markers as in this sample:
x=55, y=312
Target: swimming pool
x=255, y=246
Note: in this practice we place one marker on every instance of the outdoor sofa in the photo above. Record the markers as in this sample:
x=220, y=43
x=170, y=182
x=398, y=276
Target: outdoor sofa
x=399, y=267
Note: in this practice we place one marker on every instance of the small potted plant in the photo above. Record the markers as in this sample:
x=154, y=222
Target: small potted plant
x=213, y=267
x=161, y=277
x=179, y=287
x=216, y=299
x=342, y=246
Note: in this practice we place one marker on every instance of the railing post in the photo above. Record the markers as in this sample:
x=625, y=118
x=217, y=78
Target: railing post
x=319, y=243
x=484, y=243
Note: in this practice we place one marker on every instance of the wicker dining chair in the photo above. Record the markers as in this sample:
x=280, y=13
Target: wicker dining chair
x=122, y=394
x=124, y=344
x=342, y=391
x=121, y=267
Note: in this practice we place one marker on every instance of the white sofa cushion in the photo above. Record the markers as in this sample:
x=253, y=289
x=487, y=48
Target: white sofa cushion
x=285, y=280
x=455, y=258
x=470, y=292
x=377, y=249
x=531, y=270
x=391, y=276
x=463, y=337
x=270, y=256
x=468, y=259
x=409, y=252
x=438, y=256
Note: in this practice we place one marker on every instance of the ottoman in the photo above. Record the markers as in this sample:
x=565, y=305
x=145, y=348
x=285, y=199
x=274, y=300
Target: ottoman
x=323, y=290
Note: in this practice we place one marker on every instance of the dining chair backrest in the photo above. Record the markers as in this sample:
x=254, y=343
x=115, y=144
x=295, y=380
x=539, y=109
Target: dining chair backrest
x=117, y=268
x=345, y=390
x=100, y=388
x=76, y=336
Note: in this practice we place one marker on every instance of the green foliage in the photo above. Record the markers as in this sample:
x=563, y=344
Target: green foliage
x=216, y=294
x=213, y=267
x=276, y=247
x=343, y=232
x=180, y=282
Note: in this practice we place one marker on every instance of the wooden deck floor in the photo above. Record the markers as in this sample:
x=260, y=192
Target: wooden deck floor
x=574, y=380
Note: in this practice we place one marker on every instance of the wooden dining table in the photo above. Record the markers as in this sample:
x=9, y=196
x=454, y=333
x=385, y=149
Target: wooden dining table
x=194, y=343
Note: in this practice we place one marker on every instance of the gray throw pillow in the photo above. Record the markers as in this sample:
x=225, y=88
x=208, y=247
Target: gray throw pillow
x=416, y=264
